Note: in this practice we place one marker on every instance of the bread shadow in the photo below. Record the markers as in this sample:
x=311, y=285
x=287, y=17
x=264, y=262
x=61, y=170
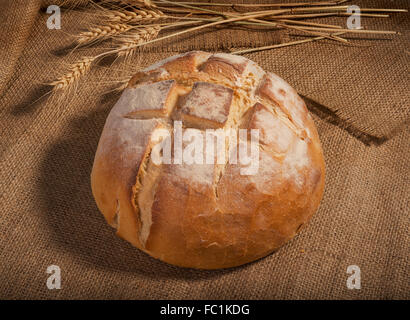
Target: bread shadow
x=330, y=116
x=33, y=100
x=73, y=218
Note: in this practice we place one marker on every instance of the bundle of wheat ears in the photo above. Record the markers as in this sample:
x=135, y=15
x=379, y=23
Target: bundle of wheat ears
x=130, y=24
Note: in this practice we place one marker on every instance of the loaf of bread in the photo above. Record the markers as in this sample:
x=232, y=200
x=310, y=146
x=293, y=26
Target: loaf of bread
x=210, y=214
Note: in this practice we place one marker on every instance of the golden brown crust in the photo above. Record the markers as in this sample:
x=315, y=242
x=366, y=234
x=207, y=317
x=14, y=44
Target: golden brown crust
x=208, y=215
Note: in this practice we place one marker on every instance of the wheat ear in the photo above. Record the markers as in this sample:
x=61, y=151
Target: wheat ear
x=127, y=44
x=102, y=32
x=136, y=16
x=76, y=70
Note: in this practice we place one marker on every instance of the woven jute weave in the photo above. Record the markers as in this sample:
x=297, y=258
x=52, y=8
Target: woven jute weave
x=359, y=97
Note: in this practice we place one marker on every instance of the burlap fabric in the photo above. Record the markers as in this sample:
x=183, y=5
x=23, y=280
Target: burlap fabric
x=359, y=97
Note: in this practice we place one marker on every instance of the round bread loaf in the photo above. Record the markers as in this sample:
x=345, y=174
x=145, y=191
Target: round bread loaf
x=217, y=213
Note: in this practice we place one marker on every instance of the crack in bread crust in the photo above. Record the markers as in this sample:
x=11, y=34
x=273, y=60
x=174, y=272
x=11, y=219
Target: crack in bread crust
x=143, y=191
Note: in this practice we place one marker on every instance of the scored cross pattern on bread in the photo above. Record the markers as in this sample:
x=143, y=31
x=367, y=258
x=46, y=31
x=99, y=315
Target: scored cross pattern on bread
x=208, y=215
x=152, y=100
x=207, y=105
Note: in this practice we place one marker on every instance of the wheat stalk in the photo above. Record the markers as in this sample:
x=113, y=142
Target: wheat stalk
x=102, y=32
x=127, y=44
x=144, y=3
x=281, y=45
x=76, y=70
x=136, y=16
x=257, y=5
